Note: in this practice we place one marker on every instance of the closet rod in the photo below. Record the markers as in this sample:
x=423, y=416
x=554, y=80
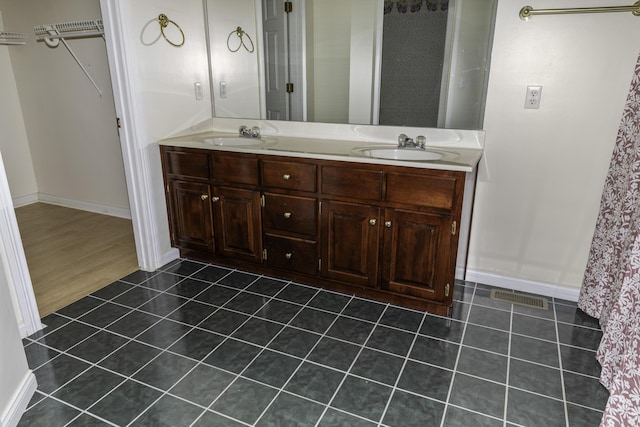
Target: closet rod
x=527, y=11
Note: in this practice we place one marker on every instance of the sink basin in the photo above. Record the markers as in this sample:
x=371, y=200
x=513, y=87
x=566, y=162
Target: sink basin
x=406, y=154
x=234, y=141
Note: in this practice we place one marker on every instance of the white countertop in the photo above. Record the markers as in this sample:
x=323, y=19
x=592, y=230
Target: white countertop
x=459, y=154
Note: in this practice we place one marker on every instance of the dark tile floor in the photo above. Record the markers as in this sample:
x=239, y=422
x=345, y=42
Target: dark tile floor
x=196, y=344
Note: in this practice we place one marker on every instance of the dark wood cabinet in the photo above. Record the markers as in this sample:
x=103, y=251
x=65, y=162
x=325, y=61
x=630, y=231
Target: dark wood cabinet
x=379, y=231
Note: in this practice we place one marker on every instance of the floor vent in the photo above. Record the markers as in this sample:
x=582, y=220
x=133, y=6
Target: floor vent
x=520, y=299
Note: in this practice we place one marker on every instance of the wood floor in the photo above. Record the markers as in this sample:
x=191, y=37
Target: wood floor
x=72, y=253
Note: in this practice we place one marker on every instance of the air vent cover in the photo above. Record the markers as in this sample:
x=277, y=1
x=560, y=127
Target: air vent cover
x=520, y=299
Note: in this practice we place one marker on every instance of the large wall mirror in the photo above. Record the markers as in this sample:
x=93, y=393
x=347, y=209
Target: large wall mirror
x=422, y=63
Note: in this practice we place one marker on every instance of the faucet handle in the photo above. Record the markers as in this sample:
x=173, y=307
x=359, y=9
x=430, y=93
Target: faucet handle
x=402, y=140
x=421, y=141
x=243, y=130
x=255, y=132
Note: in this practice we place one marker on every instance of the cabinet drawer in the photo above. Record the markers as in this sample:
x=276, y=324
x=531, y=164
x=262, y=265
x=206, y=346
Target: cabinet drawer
x=291, y=214
x=422, y=190
x=235, y=168
x=349, y=182
x=291, y=254
x=289, y=175
x=186, y=165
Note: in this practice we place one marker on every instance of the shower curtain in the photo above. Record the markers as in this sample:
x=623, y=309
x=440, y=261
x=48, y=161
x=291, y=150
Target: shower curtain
x=611, y=288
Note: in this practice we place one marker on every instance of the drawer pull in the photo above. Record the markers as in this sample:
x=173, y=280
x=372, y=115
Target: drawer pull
x=387, y=224
x=287, y=215
x=288, y=255
x=204, y=197
x=286, y=177
x=215, y=199
x=372, y=221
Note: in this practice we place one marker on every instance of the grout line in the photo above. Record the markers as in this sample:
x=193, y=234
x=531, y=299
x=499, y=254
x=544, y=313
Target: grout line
x=506, y=389
x=564, y=395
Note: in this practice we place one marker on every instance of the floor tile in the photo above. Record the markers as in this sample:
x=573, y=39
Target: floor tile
x=125, y=403
x=202, y=385
x=135, y=297
x=295, y=342
x=191, y=313
x=197, y=344
x=52, y=322
x=86, y=420
x=381, y=367
x=390, y=340
x=364, y=309
x=435, y=352
x=443, y=328
x=289, y=410
x=211, y=273
x=47, y=413
x=580, y=360
x=402, y=318
x=460, y=310
x=329, y=301
x=533, y=410
x=578, y=336
x=104, y=315
x=67, y=336
x=164, y=333
x=278, y=311
x=257, y=331
x=315, y=382
x=478, y=395
x=535, y=378
x=486, y=339
x=232, y=355
x=209, y=419
x=483, y=364
x=534, y=327
x=112, y=290
x=364, y=398
x=80, y=307
x=272, y=368
x=429, y=381
x=128, y=359
x=534, y=350
x=217, y=295
x=581, y=416
x=585, y=391
x=162, y=281
x=133, y=324
x=98, y=346
x=463, y=293
x=185, y=268
x=490, y=317
x=38, y=354
x=189, y=288
x=238, y=279
x=297, y=293
x=548, y=314
x=246, y=303
x=457, y=417
x=224, y=321
x=313, y=320
x=409, y=410
x=88, y=388
x=138, y=277
x=244, y=400
x=164, y=371
x=334, y=353
x=575, y=316
x=57, y=372
x=162, y=305
x=266, y=286
x=169, y=412
x=352, y=330
x=335, y=418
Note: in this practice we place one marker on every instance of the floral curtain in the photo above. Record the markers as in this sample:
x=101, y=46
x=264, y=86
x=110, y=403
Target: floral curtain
x=611, y=287
x=402, y=6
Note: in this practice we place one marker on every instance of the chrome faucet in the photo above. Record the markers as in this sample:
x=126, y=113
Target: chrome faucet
x=404, y=141
x=247, y=132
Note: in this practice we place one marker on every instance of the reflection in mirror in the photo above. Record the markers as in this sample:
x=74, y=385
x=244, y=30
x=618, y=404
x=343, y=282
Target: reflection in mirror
x=417, y=63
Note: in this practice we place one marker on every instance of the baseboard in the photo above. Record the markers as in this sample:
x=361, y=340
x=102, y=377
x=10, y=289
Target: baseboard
x=170, y=255
x=517, y=284
x=85, y=206
x=25, y=200
x=20, y=401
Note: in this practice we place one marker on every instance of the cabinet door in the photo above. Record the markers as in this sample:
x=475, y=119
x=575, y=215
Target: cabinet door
x=237, y=223
x=191, y=224
x=350, y=242
x=417, y=254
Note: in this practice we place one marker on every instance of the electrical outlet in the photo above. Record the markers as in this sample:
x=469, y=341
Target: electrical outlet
x=197, y=87
x=532, y=100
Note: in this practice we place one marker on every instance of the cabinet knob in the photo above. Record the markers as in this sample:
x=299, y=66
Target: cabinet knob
x=387, y=224
x=215, y=199
x=287, y=215
x=288, y=255
x=204, y=197
x=286, y=177
x=372, y=221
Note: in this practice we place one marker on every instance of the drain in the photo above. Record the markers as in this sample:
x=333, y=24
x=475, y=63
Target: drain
x=520, y=299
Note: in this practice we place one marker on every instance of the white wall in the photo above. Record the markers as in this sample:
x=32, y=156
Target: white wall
x=70, y=129
x=13, y=143
x=541, y=179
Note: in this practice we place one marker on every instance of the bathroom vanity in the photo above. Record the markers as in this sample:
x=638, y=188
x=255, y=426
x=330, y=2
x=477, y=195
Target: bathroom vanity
x=327, y=214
